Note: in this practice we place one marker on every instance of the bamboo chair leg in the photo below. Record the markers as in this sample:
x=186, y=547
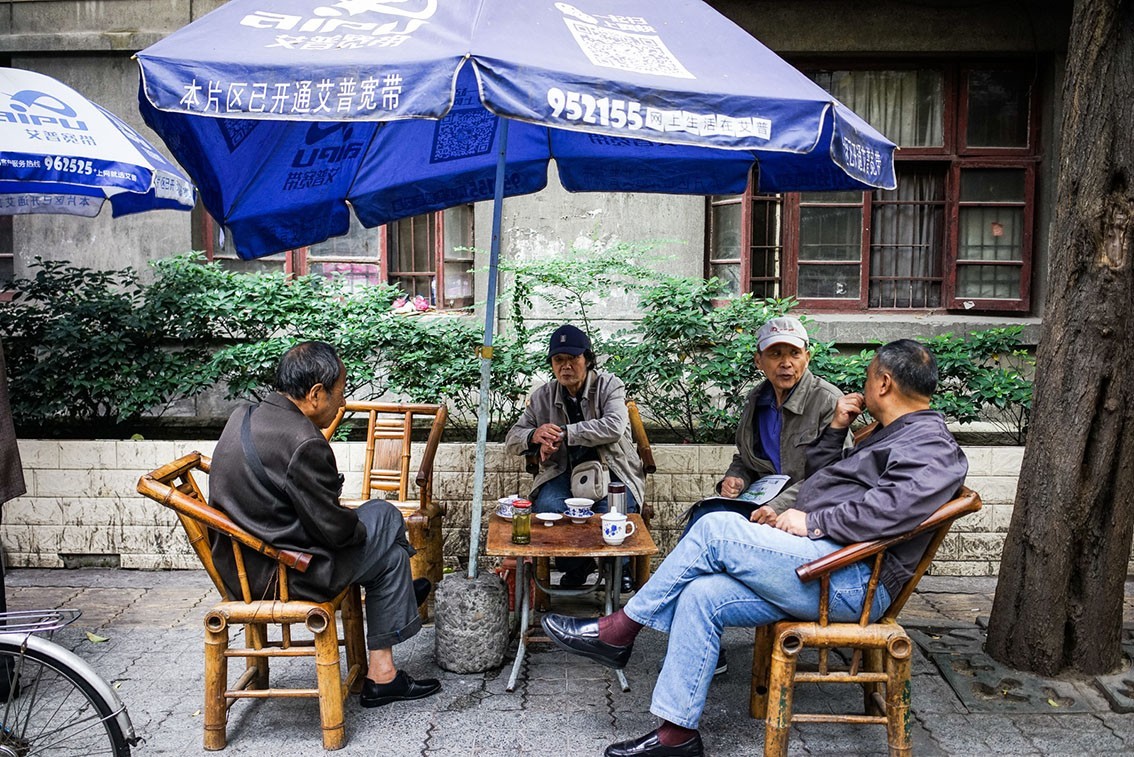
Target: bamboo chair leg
x=329, y=675
x=761, y=661
x=898, y=726
x=257, y=636
x=354, y=636
x=777, y=722
x=872, y=663
x=421, y=563
x=216, y=681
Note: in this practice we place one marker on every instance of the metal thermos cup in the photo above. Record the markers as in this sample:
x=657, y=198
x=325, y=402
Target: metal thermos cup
x=616, y=497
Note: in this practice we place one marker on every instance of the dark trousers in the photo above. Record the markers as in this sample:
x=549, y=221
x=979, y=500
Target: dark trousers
x=384, y=574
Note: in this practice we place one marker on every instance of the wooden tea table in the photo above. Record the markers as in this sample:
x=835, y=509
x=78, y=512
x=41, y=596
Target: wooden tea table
x=565, y=539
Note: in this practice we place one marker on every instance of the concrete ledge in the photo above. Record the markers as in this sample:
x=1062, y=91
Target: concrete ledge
x=82, y=500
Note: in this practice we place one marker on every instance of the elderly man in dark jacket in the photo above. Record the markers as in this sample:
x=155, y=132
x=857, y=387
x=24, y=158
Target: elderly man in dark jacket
x=729, y=573
x=275, y=475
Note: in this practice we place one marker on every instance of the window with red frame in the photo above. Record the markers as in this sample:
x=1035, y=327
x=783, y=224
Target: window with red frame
x=425, y=255
x=956, y=233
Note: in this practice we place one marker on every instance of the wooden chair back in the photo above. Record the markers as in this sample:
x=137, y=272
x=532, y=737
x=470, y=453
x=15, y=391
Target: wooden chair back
x=389, y=439
x=937, y=525
x=174, y=485
x=386, y=474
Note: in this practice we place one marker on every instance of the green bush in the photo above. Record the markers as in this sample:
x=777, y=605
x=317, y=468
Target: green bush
x=86, y=345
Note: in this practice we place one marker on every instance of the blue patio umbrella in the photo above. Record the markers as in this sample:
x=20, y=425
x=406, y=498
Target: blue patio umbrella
x=287, y=118
x=62, y=153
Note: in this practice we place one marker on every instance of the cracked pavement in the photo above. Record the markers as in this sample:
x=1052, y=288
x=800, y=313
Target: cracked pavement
x=562, y=705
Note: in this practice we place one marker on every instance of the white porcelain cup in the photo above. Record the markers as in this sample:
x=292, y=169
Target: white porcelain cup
x=615, y=528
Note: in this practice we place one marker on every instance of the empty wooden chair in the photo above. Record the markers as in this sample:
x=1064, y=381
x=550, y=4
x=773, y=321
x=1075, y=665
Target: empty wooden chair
x=175, y=487
x=386, y=474
x=881, y=650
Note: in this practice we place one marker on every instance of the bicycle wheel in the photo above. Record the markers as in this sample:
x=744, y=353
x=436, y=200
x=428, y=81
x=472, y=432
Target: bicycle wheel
x=48, y=708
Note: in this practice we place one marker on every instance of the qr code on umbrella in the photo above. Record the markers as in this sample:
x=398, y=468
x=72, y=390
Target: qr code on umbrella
x=610, y=48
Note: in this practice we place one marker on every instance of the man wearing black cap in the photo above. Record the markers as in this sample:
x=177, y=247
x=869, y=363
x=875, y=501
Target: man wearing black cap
x=578, y=417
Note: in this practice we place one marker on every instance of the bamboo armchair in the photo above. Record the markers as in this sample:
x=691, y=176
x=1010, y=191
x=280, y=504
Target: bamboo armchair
x=646, y=455
x=880, y=661
x=386, y=473
x=175, y=487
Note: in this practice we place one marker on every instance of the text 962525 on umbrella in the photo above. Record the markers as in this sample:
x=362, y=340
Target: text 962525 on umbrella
x=62, y=153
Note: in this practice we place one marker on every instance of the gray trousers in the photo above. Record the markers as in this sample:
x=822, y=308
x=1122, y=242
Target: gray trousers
x=384, y=573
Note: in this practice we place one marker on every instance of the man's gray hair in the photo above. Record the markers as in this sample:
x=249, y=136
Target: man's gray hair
x=305, y=365
x=911, y=365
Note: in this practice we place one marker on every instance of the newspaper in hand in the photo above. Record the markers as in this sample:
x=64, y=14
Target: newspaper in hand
x=763, y=490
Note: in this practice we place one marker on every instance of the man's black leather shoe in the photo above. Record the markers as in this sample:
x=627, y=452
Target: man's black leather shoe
x=627, y=583
x=580, y=636
x=421, y=589
x=401, y=689
x=649, y=746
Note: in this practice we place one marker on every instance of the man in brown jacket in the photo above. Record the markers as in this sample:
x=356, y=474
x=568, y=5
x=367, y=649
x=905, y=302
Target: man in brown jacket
x=275, y=475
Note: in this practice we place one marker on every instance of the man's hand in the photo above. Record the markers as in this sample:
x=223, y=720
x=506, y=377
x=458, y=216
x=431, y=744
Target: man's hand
x=793, y=521
x=732, y=486
x=548, y=433
x=765, y=515
x=548, y=437
x=849, y=407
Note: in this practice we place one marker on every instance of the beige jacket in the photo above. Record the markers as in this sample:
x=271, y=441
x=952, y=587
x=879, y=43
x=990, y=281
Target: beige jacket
x=807, y=413
x=606, y=426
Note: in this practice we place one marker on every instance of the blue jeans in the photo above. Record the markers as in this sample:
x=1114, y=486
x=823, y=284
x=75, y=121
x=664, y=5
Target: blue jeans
x=725, y=572
x=701, y=509
x=549, y=499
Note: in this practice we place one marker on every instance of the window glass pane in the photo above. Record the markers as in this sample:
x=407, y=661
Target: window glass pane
x=359, y=242
x=993, y=185
x=728, y=273
x=352, y=275
x=458, y=284
x=998, y=109
x=989, y=282
x=907, y=242
x=906, y=106
x=991, y=234
x=831, y=281
x=724, y=226
x=458, y=232
x=830, y=233
x=459, y=262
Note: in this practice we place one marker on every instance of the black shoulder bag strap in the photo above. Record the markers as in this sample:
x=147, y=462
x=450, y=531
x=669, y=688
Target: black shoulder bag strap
x=253, y=457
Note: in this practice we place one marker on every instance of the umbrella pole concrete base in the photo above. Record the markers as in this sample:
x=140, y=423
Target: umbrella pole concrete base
x=471, y=623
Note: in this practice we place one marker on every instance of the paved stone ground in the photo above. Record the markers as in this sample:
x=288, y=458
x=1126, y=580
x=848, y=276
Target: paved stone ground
x=563, y=705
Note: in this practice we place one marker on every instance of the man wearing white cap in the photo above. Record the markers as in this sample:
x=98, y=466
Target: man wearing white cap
x=787, y=411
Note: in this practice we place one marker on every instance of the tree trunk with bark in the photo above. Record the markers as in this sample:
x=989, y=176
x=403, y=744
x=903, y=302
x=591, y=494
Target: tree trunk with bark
x=1059, y=598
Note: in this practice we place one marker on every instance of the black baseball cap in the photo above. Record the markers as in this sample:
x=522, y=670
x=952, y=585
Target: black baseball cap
x=568, y=340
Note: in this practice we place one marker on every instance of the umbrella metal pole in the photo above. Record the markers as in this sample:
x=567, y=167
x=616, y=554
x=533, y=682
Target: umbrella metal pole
x=484, y=409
